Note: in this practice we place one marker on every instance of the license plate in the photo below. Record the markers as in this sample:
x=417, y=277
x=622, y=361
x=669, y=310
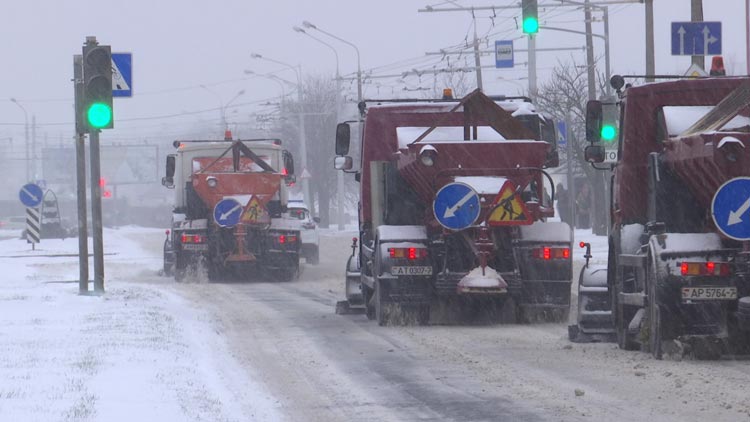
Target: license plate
x=424, y=270
x=709, y=293
x=194, y=247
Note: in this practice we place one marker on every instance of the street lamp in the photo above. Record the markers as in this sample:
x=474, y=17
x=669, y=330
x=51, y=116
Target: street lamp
x=274, y=78
x=308, y=24
x=25, y=136
x=223, y=106
x=302, y=140
x=339, y=174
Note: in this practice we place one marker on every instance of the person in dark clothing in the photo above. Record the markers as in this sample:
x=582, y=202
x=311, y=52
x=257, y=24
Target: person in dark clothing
x=563, y=203
x=583, y=208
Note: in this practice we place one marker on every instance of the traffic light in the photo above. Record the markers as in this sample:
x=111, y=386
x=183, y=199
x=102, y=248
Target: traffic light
x=106, y=193
x=608, y=132
x=97, y=86
x=530, y=16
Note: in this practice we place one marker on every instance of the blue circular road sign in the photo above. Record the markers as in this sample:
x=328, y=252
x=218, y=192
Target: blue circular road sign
x=227, y=212
x=730, y=206
x=456, y=206
x=31, y=195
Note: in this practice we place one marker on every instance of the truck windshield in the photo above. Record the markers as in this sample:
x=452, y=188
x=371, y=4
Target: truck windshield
x=224, y=165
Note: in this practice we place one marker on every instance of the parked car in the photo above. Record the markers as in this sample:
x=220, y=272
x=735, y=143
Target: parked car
x=299, y=214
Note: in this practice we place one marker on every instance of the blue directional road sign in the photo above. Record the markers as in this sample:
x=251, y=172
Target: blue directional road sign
x=696, y=38
x=456, y=206
x=31, y=195
x=227, y=212
x=730, y=206
x=504, y=53
x=562, y=134
x=122, y=74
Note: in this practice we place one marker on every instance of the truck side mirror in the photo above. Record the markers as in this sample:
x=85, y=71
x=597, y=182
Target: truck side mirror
x=594, y=154
x=343, y=163
x=288, y=162
x=343, y=137
x=594, y=116
x=168, y=180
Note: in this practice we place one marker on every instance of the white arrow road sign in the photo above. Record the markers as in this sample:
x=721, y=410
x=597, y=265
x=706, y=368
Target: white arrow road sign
x=31, y=195
x=230, y=212
x=682, y=32
x=451, y=211
x=735, y=216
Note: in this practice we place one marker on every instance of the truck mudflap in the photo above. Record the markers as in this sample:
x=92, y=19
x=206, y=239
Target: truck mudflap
x=594, y=311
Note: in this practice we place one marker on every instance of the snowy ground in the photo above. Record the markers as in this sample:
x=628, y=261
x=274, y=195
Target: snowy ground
x=153, y=349
x=137, y=353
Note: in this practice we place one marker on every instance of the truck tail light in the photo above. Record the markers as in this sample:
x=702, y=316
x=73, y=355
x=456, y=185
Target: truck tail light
x=287, y=238
x=547, y=253
x=193, y=238
x=409, y=253
x=710, y=268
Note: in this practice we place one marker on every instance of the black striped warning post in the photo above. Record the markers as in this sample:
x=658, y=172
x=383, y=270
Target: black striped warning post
x=33, y=225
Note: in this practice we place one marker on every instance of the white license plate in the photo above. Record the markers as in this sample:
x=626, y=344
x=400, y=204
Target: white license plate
x=424, y=270
x=709, y=293
x=194, y=247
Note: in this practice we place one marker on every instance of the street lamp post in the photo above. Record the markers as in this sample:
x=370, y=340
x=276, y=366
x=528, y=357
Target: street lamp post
x=339, y=174
x=25, y=137
x=340, y=180
x=222, y=105
x=302, y=139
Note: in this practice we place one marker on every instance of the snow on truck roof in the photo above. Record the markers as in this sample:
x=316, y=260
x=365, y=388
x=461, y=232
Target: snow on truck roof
x=681, y=118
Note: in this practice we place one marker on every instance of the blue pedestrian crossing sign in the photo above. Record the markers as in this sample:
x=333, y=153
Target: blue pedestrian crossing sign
x=31, y=195
x=227, y=212
x=122, y=74
x=456, y=206
x=730, y=206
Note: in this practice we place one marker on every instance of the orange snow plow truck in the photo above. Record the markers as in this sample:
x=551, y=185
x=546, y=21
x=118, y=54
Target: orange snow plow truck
x=230, y=197
x=453, y=206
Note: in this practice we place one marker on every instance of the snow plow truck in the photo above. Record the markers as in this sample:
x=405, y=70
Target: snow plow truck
x=677, y=279
x=229, y=199
x=453, y=206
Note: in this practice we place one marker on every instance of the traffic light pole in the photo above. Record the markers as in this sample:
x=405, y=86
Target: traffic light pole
x=83, y=243
x=96, y=211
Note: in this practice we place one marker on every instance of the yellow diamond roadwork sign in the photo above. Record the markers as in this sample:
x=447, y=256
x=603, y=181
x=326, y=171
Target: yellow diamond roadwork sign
x=255, y=213
x=508, y=209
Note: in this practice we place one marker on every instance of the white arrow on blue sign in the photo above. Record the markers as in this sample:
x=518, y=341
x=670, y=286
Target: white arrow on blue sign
x=696, y=38
x=562, y=134
x=729, y=208
x=31, y=195
x=456, y=206
x=122, y=74
x=227, y=212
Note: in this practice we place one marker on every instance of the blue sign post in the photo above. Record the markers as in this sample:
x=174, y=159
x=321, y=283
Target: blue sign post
x=456, y=206
x=562, y=134
x=696, y=38
x=730, y=206
x=504, y=53
x=227, y=212
x=122, y=74
x=31, y=195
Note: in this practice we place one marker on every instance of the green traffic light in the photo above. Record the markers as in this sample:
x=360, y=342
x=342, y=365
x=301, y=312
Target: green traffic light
x=530, y=25
x=608, y=132
x=99, y=115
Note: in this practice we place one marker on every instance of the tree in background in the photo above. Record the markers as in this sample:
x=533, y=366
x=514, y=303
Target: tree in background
x=318, y=107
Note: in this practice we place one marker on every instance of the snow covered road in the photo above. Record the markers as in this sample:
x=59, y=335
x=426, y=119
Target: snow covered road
x=153, y=349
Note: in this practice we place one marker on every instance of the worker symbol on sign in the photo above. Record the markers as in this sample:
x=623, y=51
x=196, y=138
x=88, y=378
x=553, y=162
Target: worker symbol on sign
x=508, y=209
x=255, y=212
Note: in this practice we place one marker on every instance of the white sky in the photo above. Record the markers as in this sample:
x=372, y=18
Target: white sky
x=180, y=45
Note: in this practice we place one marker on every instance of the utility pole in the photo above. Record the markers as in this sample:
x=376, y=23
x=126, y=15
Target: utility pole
x=477, y=61
x=83, y=242
x=590, y=70
x=650, y=65
x=34, y=160
x=696, y=15
x=532, y=67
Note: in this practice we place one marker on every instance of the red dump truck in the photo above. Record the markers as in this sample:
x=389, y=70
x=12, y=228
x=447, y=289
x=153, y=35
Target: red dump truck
x=230, y=197
x=453, y=203
x=678, y=273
